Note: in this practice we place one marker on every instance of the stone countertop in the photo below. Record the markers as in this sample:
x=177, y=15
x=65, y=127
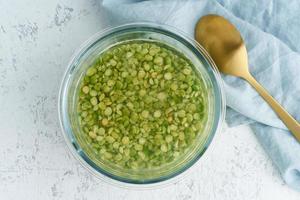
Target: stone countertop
x=37, y=39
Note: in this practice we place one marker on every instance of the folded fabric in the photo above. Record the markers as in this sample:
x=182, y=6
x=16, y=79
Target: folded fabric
x=273, y=57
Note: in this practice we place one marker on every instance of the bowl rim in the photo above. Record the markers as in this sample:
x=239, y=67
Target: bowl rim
x=101, y=174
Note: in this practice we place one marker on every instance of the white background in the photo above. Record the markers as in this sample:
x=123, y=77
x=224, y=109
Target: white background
x=37, y=39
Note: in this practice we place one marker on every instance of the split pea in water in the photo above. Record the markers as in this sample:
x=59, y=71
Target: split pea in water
x=141, y=105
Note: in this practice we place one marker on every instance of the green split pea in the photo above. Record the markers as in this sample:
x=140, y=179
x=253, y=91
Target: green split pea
x=141, y=105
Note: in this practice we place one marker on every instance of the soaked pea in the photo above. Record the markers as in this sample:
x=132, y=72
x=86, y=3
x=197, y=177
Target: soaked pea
x=141, y=105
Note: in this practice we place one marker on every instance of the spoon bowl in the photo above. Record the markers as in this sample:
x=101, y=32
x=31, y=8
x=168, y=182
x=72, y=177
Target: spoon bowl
x=224, y=43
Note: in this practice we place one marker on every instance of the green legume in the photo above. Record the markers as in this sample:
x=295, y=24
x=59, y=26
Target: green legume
x=181, y=113
x=158, y=60
x=164, y=148
x=94, y=101
x=168, y=76
x=99, y=138
x=174, y=86
x=169, y=138
x=125, y=140
x=145, y=114
x=101, y=131
x=93, y=93
x=110, y=139
x=85, y=89
x=92, y=134
x=91, y=71
x=104, y=122
x=108, y=111
x=108, y=72
x=141, y=105
x=157, y=114
x=142, y=140
x=186, y=71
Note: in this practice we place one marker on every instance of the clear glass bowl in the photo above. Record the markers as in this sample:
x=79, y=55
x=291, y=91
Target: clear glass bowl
x=85, y=57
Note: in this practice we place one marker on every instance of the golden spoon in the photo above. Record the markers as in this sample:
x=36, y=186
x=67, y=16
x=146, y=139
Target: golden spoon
x=226, y=47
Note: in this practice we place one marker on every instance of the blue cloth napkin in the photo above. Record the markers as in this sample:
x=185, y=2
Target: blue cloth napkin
x=271, y=32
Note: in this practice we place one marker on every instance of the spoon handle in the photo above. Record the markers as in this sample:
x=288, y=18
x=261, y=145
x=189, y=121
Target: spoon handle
x=286, y=118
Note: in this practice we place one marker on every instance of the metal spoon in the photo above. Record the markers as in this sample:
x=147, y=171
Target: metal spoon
x=226, y=47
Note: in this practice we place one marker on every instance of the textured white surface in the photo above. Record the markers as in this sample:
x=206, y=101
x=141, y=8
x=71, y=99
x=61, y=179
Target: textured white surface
x=37, y=39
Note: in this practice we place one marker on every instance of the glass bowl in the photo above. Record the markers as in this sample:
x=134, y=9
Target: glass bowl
x=86, y=56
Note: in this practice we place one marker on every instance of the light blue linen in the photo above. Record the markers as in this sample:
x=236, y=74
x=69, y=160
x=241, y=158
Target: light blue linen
x=271, y=31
